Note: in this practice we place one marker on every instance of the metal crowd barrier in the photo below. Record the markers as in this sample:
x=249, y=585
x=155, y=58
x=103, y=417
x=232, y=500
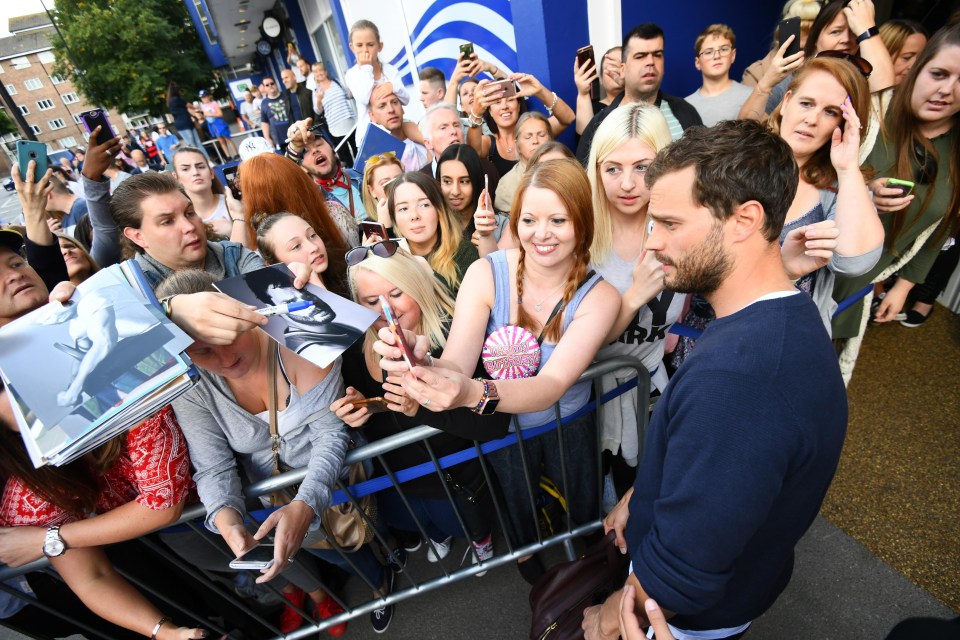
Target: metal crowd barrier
x=193, y=516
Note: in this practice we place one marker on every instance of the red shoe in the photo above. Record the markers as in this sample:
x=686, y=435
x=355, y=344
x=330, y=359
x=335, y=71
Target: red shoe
x=290, y=619
x=327, y=609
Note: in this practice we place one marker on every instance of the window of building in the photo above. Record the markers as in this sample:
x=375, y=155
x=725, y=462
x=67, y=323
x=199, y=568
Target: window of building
x=76, y=118
x=70, y=98
x=57, y=123
x=12, y=89
x=56, y=78
x=44, y=104
x=1, y=68
x=23, y=110
x=46, y=57
x=33, y=84
x=36, y=130
x=68, y=143
x=20, y=63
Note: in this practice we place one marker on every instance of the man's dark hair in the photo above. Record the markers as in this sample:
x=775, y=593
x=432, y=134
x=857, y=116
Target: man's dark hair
x=735, y=161
x=261, y=280
x=644, y=31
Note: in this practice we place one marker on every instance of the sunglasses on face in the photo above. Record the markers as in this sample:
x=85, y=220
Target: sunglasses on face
x=382, y=249
x=863, y=66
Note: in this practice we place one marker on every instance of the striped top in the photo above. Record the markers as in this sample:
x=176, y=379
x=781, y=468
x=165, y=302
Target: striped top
x=337, y=109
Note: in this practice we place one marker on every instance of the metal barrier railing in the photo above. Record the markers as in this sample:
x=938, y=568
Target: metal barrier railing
x=376, y=450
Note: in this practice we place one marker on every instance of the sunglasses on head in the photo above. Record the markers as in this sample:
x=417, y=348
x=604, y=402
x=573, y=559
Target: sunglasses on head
x=863, y=66
x=382, y=249
x=927, y=170
x=381, y=157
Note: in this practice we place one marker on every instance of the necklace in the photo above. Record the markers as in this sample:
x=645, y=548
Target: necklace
x=537, y=305
x=505, y=147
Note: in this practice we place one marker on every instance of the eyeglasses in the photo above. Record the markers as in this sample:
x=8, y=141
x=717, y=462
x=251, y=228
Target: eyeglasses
x=382, y=249
x=723, y=51
x=863, y=66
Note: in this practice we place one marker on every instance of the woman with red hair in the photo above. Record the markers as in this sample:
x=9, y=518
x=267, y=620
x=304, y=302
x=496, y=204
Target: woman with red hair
x=271, y=184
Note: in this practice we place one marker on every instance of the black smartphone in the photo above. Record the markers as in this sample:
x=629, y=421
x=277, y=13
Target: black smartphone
x=584, y=54
x=28, y=150
x=787, y=28
x=98, y=118
x=232, y=180
x=466, y=50
x=260, y=557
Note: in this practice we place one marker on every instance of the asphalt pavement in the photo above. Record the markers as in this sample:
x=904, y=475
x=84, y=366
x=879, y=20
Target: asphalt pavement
x=9, y=207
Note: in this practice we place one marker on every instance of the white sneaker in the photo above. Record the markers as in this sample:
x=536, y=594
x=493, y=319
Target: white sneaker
x=484, y=550
x=437, y=551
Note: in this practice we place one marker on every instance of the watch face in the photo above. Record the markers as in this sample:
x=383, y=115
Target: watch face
x=53, y=548
x=271, y=27
x=263, y=47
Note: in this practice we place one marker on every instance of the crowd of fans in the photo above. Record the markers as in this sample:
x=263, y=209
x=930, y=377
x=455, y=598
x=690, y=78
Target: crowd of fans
x=709, y=213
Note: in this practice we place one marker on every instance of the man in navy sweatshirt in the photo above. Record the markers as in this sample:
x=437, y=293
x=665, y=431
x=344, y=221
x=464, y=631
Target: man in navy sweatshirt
x=746, y=438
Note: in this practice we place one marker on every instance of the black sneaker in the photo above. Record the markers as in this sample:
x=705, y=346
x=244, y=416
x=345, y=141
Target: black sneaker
x=408, y=540
x=914, y=319
x=397, y=559
x=380, y=618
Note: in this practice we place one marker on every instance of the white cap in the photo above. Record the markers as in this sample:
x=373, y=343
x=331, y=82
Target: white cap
x=254, y=146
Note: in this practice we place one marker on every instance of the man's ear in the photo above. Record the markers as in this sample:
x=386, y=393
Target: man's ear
x=696, y=63
x=135, y=236
x=747, y=221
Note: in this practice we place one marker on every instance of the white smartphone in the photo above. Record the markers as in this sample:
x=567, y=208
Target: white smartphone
x=260, y=557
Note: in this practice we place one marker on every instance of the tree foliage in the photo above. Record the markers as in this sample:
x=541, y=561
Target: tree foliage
x=127, y=51
x=7, y=125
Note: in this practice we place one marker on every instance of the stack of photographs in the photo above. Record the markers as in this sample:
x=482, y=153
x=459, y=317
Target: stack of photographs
x=81, y=373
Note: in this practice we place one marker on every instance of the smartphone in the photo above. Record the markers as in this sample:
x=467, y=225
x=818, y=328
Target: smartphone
x=98, y=118
x=397, y=331
x=260, y=557
x=466, y=50
x=905, y=186
x=373, y=405
x=371, y=230
x=584, y=54
x=232, y=181
x=507, y=87
x=28, y=150
x=787, y=28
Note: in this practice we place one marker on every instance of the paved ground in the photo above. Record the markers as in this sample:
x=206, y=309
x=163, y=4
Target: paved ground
x=9, y=206
x=839, y=591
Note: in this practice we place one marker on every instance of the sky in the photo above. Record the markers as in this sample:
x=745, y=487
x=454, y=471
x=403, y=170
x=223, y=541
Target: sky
x=10, y=9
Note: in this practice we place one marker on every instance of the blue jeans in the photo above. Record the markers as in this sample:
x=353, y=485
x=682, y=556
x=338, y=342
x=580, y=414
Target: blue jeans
x=436, y=515
x=192, y=138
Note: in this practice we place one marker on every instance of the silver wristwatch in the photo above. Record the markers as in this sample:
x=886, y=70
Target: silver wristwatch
x=53, y=544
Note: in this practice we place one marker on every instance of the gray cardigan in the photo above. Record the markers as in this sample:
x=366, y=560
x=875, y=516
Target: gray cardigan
x=220, y=433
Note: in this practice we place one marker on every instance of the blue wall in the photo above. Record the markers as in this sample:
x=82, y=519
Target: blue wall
x=753, y=21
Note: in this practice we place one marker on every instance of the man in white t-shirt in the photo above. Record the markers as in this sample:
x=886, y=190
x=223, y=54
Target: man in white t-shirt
x=719, y=98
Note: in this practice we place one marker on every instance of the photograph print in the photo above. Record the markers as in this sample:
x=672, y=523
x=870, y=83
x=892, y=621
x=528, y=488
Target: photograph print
x=319, y=333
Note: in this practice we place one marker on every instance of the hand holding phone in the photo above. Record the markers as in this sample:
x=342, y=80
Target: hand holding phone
x=905, y=186
x=373, y=231
x=258, y=558
x=28, y=150
x=373, y=405
x=232, y=180
x=98, y=118
x=787, y=28
x=400, y=341
x=584, y=55
x=501, y=89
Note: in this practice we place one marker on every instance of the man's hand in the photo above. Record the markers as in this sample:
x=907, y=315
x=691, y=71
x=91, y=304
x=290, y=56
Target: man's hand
x=592, y=617
x=630, y=624
x=300, y=135
x=616, y=520
x=214, y=318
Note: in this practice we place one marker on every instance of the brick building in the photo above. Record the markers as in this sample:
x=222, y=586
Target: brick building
x=50, y=104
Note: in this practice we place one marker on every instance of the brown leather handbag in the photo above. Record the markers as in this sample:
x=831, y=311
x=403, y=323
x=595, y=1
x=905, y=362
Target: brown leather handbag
x=562, y=593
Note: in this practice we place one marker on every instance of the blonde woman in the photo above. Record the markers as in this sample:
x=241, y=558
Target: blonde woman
x=421, y=216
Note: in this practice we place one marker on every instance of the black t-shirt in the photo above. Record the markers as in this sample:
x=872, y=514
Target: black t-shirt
x=181, y=117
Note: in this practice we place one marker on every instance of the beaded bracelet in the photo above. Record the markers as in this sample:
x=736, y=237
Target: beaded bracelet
x=553, y=106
